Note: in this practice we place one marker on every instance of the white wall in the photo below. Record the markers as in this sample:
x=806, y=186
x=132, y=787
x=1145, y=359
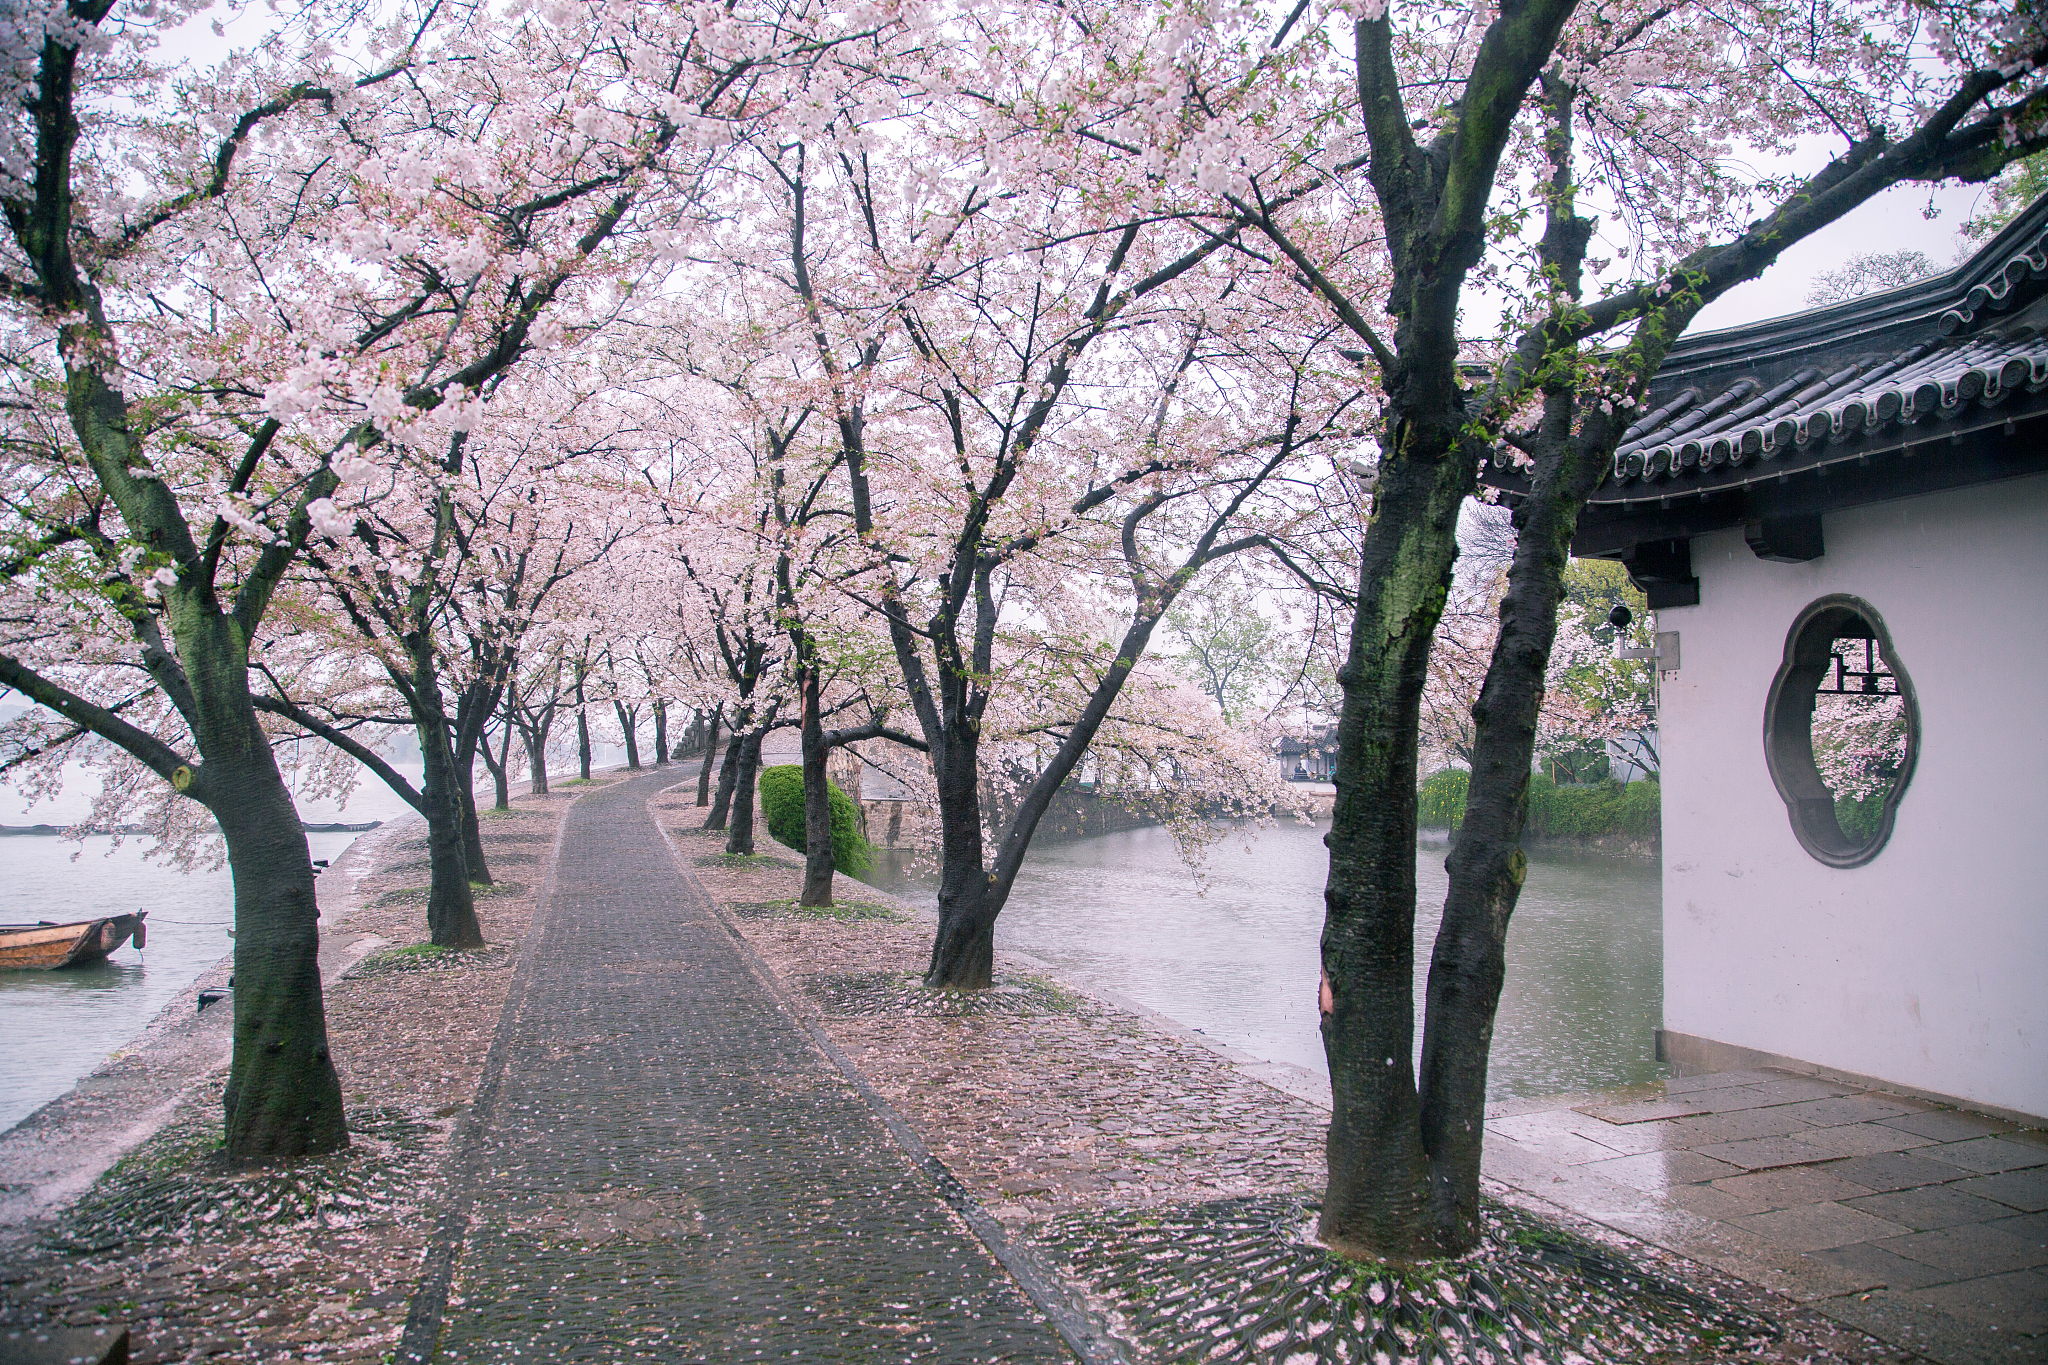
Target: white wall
x=1927, y=966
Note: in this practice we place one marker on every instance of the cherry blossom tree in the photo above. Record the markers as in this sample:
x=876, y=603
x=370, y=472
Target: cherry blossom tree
x=443, y=568
x=248, y=283
x=1017, y=427
x=132, y=505
x=1576, y=83
x=1472, y=139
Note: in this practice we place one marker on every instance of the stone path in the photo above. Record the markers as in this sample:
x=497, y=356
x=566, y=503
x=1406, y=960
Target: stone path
x=1925, y=1226
x=662, y=1166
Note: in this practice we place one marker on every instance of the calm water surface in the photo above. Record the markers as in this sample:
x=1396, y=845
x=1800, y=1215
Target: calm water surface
x=57, y=1026
x=1233, y=951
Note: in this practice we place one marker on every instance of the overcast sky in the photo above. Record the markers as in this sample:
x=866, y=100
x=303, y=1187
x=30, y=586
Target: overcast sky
x=1894, y=221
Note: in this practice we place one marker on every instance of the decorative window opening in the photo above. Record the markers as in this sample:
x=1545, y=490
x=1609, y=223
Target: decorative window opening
x=1841, y=731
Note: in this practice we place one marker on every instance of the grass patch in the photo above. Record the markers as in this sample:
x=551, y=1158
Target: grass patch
x=428, y=957
x=510, y=835
x=498, y=859
x=417, y=895
x=841, y=911
x=867, y=995
x=742, y=860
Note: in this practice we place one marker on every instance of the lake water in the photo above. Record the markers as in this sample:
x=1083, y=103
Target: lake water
x=1234, y=952
x=57, y=1026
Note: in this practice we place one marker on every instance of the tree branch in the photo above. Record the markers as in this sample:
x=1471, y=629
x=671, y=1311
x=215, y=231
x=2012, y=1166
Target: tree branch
x=161, y=758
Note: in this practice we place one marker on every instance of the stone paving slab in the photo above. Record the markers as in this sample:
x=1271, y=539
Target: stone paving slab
x=668, y=1169
x=1921, y=1225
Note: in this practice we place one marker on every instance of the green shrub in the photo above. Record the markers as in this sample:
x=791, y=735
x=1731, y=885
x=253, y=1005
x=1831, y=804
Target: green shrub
x=1441, y=802
x=1642, y=809
x=1859, y=817
x=782, y=801
x=1596, y=808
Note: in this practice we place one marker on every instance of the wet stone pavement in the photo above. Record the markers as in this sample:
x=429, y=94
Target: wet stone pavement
x=664, y=1167
x=1923, y=1225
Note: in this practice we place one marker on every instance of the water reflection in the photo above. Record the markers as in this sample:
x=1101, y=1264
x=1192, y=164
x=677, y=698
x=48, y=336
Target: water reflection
x=1234, y=953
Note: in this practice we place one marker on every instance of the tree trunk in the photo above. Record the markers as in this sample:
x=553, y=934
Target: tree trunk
x=740, y=839
x=971, y=896
x=660, y=734
x=728, y=773
x=283, y=1098
x=582, y=741
x=710, y=754
x=451, y=906
x=1377, y=1198
x=473, y=708
x=472, y=828
x=628, y=720
x=963, y=951
x=534, y=735
x=1486, y=862
x=536, y=741
x=817, y=800
x=499, y=764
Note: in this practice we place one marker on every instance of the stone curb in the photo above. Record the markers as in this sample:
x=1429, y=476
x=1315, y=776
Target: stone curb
x=1295, y=1082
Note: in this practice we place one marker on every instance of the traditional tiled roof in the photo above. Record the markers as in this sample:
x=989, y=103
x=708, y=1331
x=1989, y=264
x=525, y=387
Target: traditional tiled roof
x=1938, y=359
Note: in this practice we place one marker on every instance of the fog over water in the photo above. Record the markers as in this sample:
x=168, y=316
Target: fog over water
x=1234, y=952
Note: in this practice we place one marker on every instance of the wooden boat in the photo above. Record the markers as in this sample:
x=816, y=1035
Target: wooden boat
x=48, y=944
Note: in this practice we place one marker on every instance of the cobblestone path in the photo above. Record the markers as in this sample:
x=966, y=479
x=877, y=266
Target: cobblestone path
x=668, y=1170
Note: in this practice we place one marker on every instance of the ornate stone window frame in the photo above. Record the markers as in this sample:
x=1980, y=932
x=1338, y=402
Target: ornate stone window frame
x=1788, y=729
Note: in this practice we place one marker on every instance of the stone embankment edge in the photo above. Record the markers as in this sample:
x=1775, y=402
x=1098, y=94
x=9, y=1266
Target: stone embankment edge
x=1084, y=1336
x=1295, y=1082
x=54, y=1155
x=426, y=1312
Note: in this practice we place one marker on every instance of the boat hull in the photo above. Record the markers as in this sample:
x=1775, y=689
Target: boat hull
x=46, y=946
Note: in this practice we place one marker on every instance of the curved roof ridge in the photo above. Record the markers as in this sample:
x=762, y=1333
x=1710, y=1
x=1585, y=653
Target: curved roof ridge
x=1970, y=295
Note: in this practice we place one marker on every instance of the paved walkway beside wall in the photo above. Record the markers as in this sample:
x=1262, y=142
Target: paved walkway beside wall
x=662, y=1166
x=1926, y=1227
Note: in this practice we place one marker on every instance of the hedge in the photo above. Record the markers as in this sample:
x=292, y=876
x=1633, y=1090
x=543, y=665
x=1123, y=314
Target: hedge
x=1597, y=808
x=1441, y=803
x=782, y=801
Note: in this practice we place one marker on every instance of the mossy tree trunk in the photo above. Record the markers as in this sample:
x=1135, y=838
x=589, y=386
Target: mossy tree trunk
x=818, y=861
x=283, y=1098
x=710, y=756
x=740, y=832
x=1434, y=204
